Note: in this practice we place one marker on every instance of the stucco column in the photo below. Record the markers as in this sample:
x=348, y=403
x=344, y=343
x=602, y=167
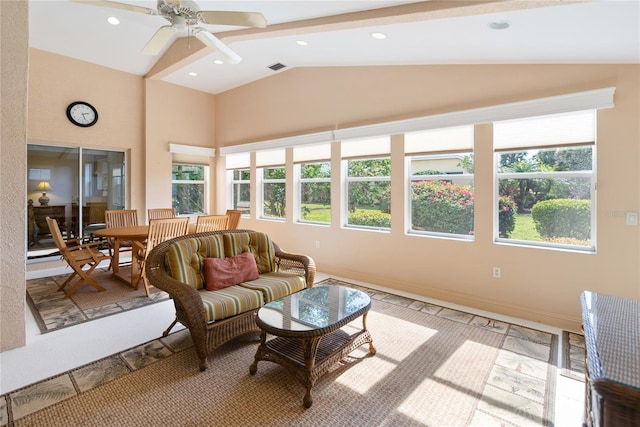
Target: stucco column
x=14, y=65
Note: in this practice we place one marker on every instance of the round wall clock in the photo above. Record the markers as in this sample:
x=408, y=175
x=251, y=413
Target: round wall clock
x=82, y=114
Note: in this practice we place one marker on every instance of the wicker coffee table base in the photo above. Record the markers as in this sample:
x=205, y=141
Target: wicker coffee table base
x=310, y=358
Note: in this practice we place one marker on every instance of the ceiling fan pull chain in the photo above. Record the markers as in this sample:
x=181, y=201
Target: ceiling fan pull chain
x=188, y=35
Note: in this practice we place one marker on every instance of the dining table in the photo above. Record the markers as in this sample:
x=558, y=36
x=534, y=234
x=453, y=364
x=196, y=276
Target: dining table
x=134, y=233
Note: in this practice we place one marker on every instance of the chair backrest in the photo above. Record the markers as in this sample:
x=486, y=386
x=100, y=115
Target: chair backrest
x=234, y=218
x=212, y=223
x=161, y=213
x=57, y=235
x=121, y=218
x=165, y=229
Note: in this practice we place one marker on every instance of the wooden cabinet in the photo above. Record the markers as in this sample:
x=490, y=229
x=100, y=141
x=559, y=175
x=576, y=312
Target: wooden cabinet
x=92, y=213
x=612, y=341
x=38, y=223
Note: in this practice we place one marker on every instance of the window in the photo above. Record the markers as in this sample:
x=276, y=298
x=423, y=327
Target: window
x=74, y=186
x=273, y=183
x=315, y=192
x=241, y=190
x=440, y=167
x=274, y=192
x=368, y=183
x=314, y=180
x=239, y=182
x=188, y=188
x=545, y=180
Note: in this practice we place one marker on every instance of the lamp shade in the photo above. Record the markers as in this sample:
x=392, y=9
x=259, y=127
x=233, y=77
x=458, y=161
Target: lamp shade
x=44, y=186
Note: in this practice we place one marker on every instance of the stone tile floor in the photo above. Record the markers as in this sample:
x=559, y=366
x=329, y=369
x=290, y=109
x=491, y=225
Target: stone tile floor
x=521, y=365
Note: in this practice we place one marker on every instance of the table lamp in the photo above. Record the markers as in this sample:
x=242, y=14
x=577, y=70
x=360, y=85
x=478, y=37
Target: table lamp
x=44, y=186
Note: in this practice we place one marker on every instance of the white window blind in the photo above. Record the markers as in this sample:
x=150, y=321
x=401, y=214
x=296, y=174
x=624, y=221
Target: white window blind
x=579, y=101
x=307, y=153
x=192, y=149
x=238, y=161
x=458, y=138
x=365, y=147
x=552, y=130
x=270, y=158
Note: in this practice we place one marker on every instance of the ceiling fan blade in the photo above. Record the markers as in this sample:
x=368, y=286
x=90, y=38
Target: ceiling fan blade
x=116, y=5
x=158, y=41
x=241, y=19
x=214, y=43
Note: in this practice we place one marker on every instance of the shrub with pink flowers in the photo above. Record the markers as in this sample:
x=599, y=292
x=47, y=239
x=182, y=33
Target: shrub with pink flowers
x=506, y=215
x=442, y=206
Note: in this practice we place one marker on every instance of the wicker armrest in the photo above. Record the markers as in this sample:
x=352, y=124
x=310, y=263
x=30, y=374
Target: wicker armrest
x=297, y=263
x=186, y=299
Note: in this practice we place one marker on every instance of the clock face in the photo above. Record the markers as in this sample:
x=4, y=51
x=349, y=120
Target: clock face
x=82, y=114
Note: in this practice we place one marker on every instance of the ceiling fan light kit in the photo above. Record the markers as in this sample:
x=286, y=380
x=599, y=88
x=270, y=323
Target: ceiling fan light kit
x=186, y=15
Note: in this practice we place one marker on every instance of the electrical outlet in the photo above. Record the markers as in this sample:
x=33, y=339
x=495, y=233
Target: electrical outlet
x=317, y=244
x=496, y=272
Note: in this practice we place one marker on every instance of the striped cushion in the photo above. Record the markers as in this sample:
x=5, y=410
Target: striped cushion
x=229, y=301
x=184, y=258
x=236, y=243
x=259, y=244
x=276, y=285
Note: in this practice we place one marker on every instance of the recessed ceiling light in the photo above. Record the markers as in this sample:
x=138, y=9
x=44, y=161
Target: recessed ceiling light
x=113, y=20
x=499, y=25
x=218, y=61
x=379, y=36
x=192, y=74
x=302, y=42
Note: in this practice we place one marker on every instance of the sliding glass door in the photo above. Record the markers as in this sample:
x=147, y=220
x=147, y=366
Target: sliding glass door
x=74, y=186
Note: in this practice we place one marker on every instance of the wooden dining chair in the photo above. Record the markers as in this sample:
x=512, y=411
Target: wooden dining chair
x=159, y=231
x=234, y=218
x=120, y=218
x=212, y=223
x=161, y=213
x=81, y=257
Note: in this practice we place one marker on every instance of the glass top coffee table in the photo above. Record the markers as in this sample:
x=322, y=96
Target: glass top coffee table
x=307, y=339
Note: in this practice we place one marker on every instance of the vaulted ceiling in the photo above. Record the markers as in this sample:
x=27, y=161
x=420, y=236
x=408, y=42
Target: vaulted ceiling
x=338, y=33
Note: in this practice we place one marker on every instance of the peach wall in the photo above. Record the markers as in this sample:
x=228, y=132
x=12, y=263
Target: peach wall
x=540, y=285
x=537, y=284
x=55, y=81
x=134, y=116
x=174, y=115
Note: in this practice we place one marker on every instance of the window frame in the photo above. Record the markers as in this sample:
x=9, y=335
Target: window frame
x=581, y=174
x=96, y=183
x=298, y=174
x=204, y=182
x=264, y=181
x=347, y=180
x=411, y=178
x=232, y=182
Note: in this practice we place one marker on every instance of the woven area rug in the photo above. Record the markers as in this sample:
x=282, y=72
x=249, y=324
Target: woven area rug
x=53, y=311
x=572, y=355
x=434, y=367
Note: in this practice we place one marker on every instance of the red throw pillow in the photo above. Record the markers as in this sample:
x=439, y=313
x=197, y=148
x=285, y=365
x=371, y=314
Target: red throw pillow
x=223, y=272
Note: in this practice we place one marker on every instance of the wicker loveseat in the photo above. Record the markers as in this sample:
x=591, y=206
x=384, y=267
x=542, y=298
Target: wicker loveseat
x=215, y=317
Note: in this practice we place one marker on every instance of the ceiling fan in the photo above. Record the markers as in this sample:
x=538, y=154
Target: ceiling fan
x=186, y=15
